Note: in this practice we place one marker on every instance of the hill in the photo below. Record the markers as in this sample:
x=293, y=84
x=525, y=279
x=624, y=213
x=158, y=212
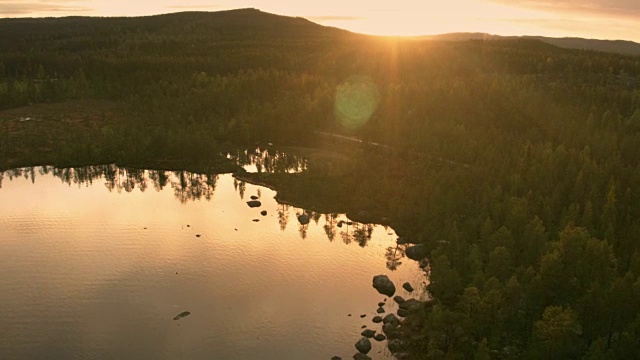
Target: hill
x=107, y=31
x=514, y=162
x=612, y=46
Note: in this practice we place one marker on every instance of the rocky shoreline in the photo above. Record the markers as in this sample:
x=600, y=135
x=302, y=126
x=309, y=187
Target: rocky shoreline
x=394, y=328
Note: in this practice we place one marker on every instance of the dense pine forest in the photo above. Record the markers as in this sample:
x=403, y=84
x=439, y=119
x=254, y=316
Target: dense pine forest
x=515, y=162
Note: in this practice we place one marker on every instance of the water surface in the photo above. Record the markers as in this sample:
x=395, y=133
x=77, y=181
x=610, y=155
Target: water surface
x=96, y=262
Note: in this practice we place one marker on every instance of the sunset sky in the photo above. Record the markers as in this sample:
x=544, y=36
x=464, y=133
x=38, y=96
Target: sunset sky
x=603, y=19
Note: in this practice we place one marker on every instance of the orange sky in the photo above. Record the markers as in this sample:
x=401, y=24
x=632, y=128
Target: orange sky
x=603, y=19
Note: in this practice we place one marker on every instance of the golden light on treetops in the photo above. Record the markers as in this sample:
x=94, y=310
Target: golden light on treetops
x=357, y=99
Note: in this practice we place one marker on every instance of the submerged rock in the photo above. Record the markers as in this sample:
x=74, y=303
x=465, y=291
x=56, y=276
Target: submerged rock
x=396, y=345
x=402, y=240
x=363, y=345
x=381, y=303
x=407, y=287
x=380, y=310
x=391, y=319
x=368, y=333
x=411, y=304
x=181, y=315
x=254, y=203
x=336, y=358
x=377, y=319
x=303, y=219
x=254, y=197
x=256, y=220
x=403, y=312
x=384, y=285
x=389, y=330
x=263, y=212
x=399, y=299
x=361, y=356
x=380, y=337
x=416, y=252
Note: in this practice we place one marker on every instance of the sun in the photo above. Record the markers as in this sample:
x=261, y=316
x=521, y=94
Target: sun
x=429, y=18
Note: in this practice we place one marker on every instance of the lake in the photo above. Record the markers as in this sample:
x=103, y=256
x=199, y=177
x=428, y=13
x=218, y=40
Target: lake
x=96, y=262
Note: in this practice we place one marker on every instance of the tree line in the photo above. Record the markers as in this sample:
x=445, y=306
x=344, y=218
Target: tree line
x=533, y=245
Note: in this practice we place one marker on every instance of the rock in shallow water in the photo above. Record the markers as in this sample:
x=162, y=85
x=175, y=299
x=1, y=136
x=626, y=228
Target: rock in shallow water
x=336, y=358
x=380, y=310
x=396, y=345
x=384, y=285
x=368, y=333
x=403, y=312
x=361, y=356
x=363, y=345
x=181, y=315
x=254, y=203
x=399, y=299
x=417, y=252
x=411, y=304
x=303, y=219
x=377, y=319
x=254, y=197
x=379, y=337
x=391, y=319
x=407, y=287
x=389, y=330
x=263, y=212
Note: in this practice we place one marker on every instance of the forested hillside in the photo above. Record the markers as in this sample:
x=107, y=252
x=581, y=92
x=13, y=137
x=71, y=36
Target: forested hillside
x=531, y=215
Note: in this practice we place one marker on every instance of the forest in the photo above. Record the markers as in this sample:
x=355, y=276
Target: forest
x=514, y=161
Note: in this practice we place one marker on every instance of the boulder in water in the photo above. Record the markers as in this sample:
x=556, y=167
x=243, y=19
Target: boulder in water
x=361, y=356
x=303, y=219
x=391, y=319
x=407, y=287
x=384, y=285
x=368, y=333
x=416, y=252
x=181, y=315
x=363, y=345
x=379, y=337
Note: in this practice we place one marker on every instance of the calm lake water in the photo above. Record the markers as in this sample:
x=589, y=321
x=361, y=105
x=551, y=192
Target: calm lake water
x=96, y=262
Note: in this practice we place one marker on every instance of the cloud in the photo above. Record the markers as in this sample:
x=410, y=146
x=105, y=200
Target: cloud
x=12, y=8
x=600, y=7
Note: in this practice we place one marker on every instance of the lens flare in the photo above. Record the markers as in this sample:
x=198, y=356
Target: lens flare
x=356, y=100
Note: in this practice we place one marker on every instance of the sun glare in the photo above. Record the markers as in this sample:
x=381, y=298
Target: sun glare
x=376, y=17
x=424, y=19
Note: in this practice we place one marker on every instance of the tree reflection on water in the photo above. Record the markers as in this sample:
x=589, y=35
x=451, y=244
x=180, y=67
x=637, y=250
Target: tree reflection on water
x=189, y=186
